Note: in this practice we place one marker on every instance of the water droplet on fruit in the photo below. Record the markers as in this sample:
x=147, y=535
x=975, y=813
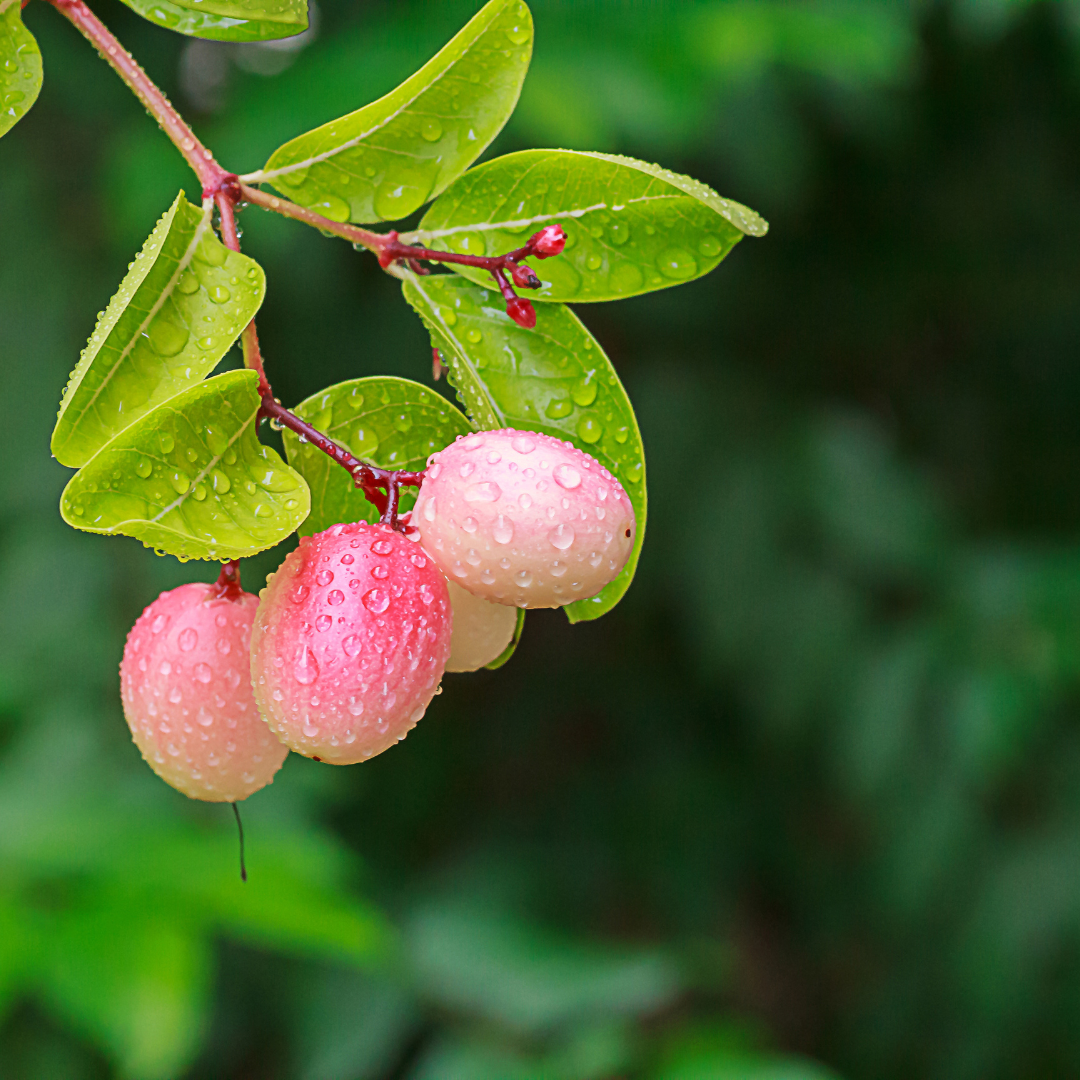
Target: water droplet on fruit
x=323, y=623
x=486, y=492
x=566, y=476
x=300, y=594
x=503, y=531
x=335, y=597
x=306, y=668
x=376, y=600
x=562, y=536
x=203, y=673
x=165, y=668
x=524, y=578
x=380, y=571
x=188, y=639
x=352, y=646
x=382, y=547
x=324, y=577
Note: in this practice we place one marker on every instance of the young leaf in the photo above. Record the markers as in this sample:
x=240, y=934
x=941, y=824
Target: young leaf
x=226, y=20
x=181, y=305
x=20, y=66
x=630, y=227
x=512, y=647
x=554, y=379
x=392, y=423
x=191, y=478
x=387, y=159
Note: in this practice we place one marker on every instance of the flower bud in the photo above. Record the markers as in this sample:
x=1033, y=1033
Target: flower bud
x=524, y=277
x=522, y=312
x=550, y=240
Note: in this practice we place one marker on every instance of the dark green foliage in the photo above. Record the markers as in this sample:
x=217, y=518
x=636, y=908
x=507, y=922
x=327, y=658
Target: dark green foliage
x=822, y=761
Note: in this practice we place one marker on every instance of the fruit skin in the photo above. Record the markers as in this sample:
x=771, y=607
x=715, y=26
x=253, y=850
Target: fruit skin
x=482, y=630
x=350, y=642
x=185, y=686
x=524, y=519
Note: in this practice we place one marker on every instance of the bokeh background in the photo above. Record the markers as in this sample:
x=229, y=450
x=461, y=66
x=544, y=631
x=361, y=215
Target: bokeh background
x=808, y=802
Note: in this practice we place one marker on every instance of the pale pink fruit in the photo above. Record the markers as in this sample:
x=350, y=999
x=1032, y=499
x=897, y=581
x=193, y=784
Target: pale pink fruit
x=350, y=642
x=482, y=630
x=186, y=687
x=524, y=519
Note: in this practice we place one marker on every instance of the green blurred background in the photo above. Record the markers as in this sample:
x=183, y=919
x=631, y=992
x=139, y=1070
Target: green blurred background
x=808, y=802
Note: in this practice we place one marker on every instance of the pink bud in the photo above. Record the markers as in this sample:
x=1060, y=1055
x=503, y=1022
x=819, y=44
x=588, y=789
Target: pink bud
x=550, y=240
x=522, y=312
x=524, y=277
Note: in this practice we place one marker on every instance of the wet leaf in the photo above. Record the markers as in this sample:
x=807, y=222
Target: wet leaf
x=179, y=308
x=191, y=478
x=554, y=379
x=393, y=423
x=387, y=159
x=631, y=227
x=226, y=20
x=20, y=66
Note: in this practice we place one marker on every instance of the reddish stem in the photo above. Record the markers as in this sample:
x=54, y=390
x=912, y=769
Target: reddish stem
x=364, y=237
x=227, y=586
x=209, y=172
x=369, y=478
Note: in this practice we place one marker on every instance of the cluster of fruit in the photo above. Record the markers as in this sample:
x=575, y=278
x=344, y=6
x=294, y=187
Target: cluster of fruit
x=342, y=652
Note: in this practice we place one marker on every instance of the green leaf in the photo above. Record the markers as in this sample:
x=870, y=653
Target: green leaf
x=387, y=159
x=512, y=647
x=392, y=423
x=191, y=478
x=226, y=20
x=181, y=305
x=554, y=379
x=630, y=227
x=136, y=982
x=20, y=66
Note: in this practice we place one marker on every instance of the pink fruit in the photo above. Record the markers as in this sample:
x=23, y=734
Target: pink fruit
x=350, y=642
x=482, y=630
x=186, y=688
x=523, y=519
